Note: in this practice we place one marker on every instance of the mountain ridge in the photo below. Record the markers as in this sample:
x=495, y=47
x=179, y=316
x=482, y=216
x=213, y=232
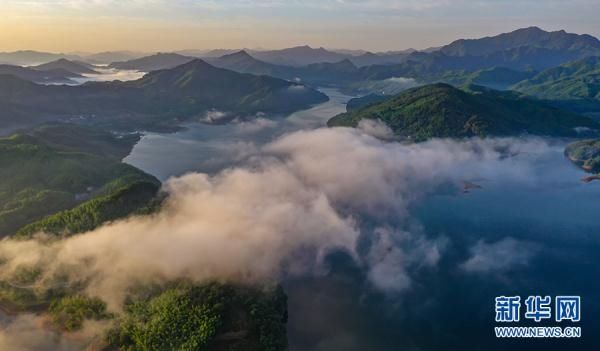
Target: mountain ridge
x=530, y=36
x=67, y=65
x=440, y=110
x=154, y=62
x=158, y=100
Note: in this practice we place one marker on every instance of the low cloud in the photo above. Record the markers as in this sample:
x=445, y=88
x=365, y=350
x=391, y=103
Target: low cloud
x=256, y=125
x=296, y=88
x=499, y=256
x=393, y=252
x=408, y=82
x=30, y=332
x=297, y=199
x=215, y=116
x=376, y=128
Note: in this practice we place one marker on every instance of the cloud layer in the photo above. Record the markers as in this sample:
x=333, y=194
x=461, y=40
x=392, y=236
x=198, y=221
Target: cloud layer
x=302, y=196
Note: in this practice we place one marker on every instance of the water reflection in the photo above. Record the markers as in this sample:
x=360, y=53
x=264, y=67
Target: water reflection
x=210, y=148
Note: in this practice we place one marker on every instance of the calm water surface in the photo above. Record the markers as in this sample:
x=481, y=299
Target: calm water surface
x=209, y=148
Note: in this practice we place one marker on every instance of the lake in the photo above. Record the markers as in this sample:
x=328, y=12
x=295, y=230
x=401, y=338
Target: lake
x=549, y=223
x=209, y=148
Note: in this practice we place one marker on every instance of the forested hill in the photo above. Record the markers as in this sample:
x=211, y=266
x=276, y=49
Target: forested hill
x=64, y=167
x=574, y=85
x=161, y=99
x=440, y=110
x=66, y=180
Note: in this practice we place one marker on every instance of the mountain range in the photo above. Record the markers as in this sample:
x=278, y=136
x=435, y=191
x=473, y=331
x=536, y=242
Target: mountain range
x=528, y=50
x=525, y=48
x=558, y=67
x=154, y=101
x=30, y=57
x=299, y=56
x=153, y=63
x=107, y=57
x=243, y=62
x=55, y=75
x=324, y=73
x=505, y=56
x=308, y=55
x=525, y=37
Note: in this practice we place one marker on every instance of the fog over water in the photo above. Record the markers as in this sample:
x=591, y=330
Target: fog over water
x=109, y=74
x=379, y=245
x=521, y=224
x=212, y=147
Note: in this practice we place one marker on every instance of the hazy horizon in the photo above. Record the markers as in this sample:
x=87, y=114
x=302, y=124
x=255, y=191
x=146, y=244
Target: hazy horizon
x=374, y=25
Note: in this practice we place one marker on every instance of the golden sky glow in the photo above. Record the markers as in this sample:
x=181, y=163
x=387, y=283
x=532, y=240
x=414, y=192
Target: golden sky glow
x=161, y=25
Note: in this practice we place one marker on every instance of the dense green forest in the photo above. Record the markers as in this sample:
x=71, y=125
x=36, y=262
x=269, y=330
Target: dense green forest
x=67, y=161
x=574, y=85
x=211, y=316
x=172, y=316
x=130, y=196
x=70, y=312
x=440, y=110
x=60, y=167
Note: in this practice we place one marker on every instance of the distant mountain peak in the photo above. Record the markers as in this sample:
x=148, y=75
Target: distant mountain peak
x=532, y=37
x=193, y=64
x=154, y=62
x=530, y=29
x=239, y=54
x=67, y=67
x=369, y=54
x=345, y=63
x=166, y=54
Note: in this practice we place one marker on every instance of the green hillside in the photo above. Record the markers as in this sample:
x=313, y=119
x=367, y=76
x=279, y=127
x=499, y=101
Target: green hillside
x=499, y=78
x=177, y=315
x=206, y=317
x=575, y=84
x=363, y=101
x=59, y=167
x=78, y=170
x=440, y=110
x=194, y=87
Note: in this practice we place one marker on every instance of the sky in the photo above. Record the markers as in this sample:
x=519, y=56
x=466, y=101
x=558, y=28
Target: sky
x=376, y=25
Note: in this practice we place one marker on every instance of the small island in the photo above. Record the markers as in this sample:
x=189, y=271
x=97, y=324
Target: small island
x=586, y=154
